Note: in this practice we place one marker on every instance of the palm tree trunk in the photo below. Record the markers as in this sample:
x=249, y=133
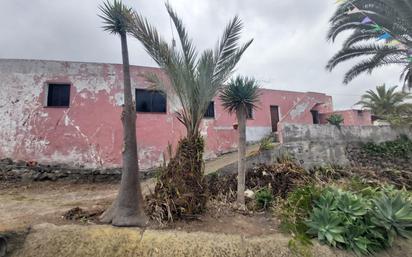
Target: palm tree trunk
x=127, y=210
x=241, y=117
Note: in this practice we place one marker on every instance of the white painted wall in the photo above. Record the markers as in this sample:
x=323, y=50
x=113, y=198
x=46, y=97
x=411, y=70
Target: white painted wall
x=254, y=134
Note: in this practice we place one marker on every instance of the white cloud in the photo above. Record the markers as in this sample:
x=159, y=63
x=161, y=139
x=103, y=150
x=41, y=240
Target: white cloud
x=289, y=52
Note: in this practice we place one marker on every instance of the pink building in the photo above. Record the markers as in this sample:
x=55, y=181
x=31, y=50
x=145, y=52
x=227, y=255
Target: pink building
x=351, y=117
x=69, y=112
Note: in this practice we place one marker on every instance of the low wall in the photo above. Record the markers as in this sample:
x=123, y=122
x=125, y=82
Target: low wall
x=314, y=145
x=262, y=157
x=22, y=171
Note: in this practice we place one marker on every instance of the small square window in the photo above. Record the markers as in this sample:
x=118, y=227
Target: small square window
x=58, y=95
x=150, y=101
x=210, y=112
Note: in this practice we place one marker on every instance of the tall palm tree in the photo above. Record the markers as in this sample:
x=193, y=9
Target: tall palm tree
x=195, y=78
x=241, y=96
x=384, y=102
x=389, y=16
x=127, y=209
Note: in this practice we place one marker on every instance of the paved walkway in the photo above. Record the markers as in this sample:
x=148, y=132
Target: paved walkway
x=226, y=159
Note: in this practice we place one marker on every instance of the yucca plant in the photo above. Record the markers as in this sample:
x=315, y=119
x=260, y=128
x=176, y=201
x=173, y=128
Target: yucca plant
x=335, y=119
x=195, y=78
x=241, y=96
x=394, y=214
x=392, y=17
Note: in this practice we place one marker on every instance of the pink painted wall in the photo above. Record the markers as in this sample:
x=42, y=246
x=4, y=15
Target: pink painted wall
x=351, y=117
x=89, y=132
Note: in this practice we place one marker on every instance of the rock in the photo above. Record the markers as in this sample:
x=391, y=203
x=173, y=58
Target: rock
x=6, y=161
x=27, y=177
x=249, y=194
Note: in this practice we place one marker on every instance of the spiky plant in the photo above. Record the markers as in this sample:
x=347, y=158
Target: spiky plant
x=241, y=96
x=335, y=119
x=195, y=79
x=391, y=16
x=127, y=209
x=383, y=101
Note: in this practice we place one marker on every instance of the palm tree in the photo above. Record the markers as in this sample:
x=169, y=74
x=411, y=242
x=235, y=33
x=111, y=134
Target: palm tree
x=384, y=102
x=241, y=96
x=127, y=209
x=195, y=79
x=389, y=16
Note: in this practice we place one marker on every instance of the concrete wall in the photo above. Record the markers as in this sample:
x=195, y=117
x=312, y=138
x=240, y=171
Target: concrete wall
x=89, y=132
x=314, y=145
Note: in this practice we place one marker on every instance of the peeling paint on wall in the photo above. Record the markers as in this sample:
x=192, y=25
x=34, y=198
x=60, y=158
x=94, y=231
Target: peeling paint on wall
x=89, y=132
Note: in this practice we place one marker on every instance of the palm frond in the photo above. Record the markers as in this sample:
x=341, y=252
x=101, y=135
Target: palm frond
x=241, y=93
x=194, y=78
x=383, y=101
x=116, y=17
x=393, y=16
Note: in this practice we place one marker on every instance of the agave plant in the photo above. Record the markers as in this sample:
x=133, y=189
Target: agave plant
x=328, y=199
x=394, y=214
x=352, y=205
x=327, y=225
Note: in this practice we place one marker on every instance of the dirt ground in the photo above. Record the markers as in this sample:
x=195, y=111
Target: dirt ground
x=23, y=205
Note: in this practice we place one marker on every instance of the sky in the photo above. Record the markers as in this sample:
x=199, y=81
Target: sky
x=289, y=52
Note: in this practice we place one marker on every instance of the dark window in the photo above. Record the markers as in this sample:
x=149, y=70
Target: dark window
x=58, y=95
x=210, y=112
x=315, y=116
x=249, y=114
x=150, y=101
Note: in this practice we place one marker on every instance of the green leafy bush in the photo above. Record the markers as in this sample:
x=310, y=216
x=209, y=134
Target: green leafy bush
x=401, y=147
x=263, y=198
x=293, y=212
x=335, y=119
x=297, y=208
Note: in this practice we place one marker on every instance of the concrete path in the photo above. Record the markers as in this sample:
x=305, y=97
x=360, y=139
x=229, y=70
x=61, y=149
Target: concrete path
x=226, y=159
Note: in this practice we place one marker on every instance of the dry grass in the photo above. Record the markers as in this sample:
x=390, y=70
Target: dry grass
x=48, y=240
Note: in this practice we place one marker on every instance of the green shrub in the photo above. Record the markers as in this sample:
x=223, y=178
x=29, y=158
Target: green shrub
x=296, y=209
x=401, y=147
x=335, y=119
x=293, y=212
x=263, y=198
x=362, y=222
x=266, y=143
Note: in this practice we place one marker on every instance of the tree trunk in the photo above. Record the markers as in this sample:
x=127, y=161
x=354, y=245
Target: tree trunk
x=127, y=209
x=241, y=170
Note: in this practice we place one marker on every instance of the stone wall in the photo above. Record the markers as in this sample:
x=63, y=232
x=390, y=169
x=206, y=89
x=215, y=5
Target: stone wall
x=316, y=145
x=22, y=171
